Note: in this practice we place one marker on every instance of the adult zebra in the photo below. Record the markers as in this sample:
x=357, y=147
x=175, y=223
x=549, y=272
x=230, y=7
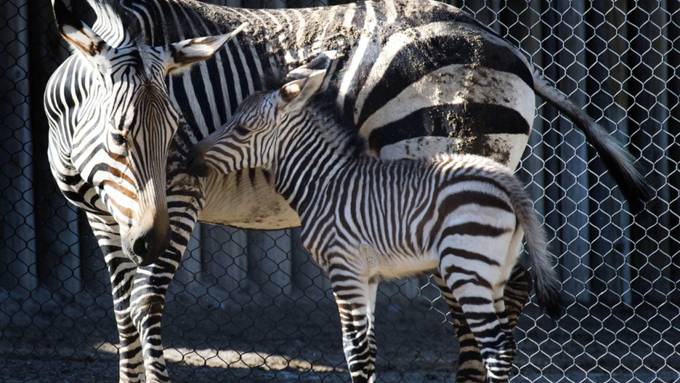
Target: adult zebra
x=393, y=52
x=112, y=125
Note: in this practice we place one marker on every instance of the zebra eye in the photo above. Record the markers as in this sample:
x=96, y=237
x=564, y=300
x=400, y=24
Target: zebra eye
x=241, y=130
x=118, y=142
x=119, y=138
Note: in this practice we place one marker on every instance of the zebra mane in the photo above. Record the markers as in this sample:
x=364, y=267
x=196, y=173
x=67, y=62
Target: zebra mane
x=339, y=134
x=326, y=115
x=116, y=24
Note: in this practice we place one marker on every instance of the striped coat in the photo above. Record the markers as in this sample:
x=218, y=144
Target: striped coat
x=365, y=219
x=416, y=78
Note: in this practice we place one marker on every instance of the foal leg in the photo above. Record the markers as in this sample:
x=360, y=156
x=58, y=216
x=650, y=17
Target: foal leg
x=475, y=295
x=470, y=366
x=353, y=297
x=373, y=347
x=510, y=296
x=516, y=295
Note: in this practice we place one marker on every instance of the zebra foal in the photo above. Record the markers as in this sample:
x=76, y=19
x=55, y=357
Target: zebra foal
x=365, y=220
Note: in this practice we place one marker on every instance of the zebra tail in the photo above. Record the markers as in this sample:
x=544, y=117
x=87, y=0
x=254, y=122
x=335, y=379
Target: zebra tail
x=547, y=283
x=617, y=160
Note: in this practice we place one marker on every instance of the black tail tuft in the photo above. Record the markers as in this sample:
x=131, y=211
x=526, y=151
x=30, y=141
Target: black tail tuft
x=550, y=299
x=633, y=185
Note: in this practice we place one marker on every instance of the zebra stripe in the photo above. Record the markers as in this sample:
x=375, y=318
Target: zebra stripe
x=364, y=220
x=207, y=97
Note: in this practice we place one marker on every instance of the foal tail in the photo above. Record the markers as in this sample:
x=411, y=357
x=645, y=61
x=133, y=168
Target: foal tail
x=546, y=281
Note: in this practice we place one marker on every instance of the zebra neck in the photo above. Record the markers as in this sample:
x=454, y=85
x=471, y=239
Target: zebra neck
x=311, y=158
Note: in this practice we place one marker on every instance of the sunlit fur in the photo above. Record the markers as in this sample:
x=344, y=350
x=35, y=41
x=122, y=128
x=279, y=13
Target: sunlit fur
x=365, y=220
x=112, y=126
x=277, y=40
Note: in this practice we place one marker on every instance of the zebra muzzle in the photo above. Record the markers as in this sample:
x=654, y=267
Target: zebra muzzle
x=146, y=245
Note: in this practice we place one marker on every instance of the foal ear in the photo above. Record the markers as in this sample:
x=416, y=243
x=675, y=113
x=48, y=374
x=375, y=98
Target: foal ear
x=295, y=94
x=322, y=61
x=182, y=55
x=77, y=33
x=306, y=81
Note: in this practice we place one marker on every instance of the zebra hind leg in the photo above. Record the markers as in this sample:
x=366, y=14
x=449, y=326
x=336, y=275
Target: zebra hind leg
x=470, y=366
x=353, y=298
x=121, y=271
x=516, y=295
x=475, y=297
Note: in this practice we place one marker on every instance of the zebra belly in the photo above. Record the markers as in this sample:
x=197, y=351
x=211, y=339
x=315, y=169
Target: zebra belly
x=246, y=199
x=390, y=266
x=504, y=148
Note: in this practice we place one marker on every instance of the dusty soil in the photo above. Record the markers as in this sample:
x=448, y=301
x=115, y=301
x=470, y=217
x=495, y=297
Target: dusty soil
x=301, y=343
x=275, y=344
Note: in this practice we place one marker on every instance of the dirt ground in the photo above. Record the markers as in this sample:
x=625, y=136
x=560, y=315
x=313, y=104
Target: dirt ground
x=301, y=343
x=283, y=344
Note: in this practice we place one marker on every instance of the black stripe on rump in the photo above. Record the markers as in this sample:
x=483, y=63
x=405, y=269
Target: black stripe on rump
x=472, y=229
x=469, y=122
x=424, y=56
x=462, y=198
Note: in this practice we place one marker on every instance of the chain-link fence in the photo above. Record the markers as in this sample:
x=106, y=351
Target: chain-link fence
x=252, y=306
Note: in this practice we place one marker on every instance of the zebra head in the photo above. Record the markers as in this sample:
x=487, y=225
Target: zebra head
x=132, y=121
x=252, y=135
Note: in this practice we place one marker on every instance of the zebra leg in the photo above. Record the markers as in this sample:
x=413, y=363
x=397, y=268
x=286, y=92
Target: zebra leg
x=372, y=345
x=151, y=284
x=475, y=297
x=121, y=271
x=515, y=296
x=352, y=297
x=470, y=366
x=506, y=355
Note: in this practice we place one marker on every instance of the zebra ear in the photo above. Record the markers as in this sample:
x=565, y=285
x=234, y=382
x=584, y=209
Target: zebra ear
x=76, y=32
x=182, y=55
x=295, y=94
x=322, y=61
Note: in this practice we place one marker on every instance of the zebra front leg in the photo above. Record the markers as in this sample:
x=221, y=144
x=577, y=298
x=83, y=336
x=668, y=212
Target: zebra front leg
x=151, y=284
x=352, y=296
x=121, y=271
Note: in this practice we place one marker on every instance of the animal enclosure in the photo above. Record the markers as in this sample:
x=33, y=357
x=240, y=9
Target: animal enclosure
x=252, y=306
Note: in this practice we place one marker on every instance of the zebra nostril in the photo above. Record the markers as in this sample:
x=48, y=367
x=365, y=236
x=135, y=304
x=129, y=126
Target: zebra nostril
x=141, y=246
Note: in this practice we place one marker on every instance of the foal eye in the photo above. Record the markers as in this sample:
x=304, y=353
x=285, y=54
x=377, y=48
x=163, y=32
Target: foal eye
x=241, y=130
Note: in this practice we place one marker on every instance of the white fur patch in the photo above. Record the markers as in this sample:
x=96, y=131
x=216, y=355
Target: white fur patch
x=456, y=85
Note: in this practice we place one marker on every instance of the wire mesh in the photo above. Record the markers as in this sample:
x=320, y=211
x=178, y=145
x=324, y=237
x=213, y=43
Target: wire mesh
x=252, y=305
